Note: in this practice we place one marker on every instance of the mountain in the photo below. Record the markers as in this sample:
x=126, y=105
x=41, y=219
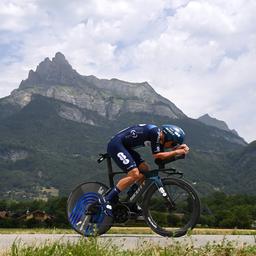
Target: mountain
x=53, y=127
x=244, y=161
x=108, y=98
x=208, y=120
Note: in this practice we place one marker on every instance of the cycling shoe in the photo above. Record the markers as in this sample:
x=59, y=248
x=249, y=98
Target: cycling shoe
x=107, y=207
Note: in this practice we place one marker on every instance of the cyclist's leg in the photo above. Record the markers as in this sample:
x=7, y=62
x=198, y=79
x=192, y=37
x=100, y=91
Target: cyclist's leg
x=131, y=177
x=125, y=161
x=141, y=163
x=121, y=155
x=144, y=166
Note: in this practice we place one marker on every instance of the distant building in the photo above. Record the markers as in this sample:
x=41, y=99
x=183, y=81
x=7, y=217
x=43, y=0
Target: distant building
x=36, y=215
x=4, y=215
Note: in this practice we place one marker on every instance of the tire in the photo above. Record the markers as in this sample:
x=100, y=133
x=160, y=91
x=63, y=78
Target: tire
x=78, y=202
x=165, y=220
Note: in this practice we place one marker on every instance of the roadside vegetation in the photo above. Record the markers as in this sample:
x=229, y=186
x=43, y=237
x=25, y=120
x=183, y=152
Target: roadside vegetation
x=92, y=247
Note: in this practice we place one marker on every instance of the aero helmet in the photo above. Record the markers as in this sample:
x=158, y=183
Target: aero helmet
x=173, y=133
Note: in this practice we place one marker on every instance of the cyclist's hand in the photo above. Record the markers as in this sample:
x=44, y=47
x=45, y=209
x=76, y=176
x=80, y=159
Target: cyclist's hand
x=182, y=150
x=183, y=146
x=186, y=148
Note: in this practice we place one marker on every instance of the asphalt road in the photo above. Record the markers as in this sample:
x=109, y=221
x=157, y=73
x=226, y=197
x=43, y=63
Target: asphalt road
x=124, y=241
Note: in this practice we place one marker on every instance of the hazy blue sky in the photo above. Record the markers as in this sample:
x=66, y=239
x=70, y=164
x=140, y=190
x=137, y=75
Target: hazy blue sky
x=199, y=54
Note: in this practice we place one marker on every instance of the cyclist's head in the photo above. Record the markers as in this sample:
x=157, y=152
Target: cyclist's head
x=173, y=133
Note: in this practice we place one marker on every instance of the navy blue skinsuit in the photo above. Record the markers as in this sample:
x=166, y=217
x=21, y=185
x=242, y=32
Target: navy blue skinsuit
x=121, y=146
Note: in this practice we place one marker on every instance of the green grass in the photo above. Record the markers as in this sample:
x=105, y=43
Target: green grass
x=130, y=230
x=91, y=247
x=36, y=231
x=196, y=231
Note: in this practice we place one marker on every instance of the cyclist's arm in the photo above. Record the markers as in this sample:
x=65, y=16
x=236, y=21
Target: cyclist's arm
x=170, y=154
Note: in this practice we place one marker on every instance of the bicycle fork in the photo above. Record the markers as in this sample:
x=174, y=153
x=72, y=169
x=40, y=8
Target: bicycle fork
x=166, y=195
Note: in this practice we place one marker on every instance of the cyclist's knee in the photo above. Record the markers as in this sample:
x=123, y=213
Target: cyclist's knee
x=134, y=174
x=144, y=167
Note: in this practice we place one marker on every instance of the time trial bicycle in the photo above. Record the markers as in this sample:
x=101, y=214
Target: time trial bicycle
x=170, y=205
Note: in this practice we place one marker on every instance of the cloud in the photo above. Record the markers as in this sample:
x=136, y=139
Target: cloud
x=200, y=54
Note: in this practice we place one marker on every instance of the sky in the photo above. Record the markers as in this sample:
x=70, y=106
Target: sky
x=199, y=54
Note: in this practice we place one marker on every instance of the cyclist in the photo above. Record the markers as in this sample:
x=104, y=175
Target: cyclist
x=121, y=149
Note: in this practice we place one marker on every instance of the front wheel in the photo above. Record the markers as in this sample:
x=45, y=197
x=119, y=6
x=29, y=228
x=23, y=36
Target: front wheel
x=172, y=217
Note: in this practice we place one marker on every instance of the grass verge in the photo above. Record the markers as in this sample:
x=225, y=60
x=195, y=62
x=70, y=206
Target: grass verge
x=91, y=247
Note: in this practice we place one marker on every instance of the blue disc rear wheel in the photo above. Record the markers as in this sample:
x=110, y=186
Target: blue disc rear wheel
x=82, y=219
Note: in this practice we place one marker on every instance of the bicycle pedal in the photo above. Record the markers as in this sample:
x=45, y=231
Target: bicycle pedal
x=108, y=210
x=109, y=206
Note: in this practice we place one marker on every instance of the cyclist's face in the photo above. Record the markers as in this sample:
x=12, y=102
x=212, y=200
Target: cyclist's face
x=170, y=144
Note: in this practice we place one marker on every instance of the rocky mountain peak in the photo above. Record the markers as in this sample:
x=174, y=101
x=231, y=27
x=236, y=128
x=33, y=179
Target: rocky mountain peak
x=49, y=72
x=208, y=120
x=55, y=78
x=60, y=58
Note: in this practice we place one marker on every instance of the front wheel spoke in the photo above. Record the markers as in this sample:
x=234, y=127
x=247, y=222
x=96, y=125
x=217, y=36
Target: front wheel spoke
x=177, y=195
x=174, y=201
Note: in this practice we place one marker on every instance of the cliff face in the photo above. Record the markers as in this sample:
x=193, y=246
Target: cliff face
x=109, y=98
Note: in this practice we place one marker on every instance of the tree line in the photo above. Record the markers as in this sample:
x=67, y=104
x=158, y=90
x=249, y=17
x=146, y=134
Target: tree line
x=228, y=211
x=219, y=210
